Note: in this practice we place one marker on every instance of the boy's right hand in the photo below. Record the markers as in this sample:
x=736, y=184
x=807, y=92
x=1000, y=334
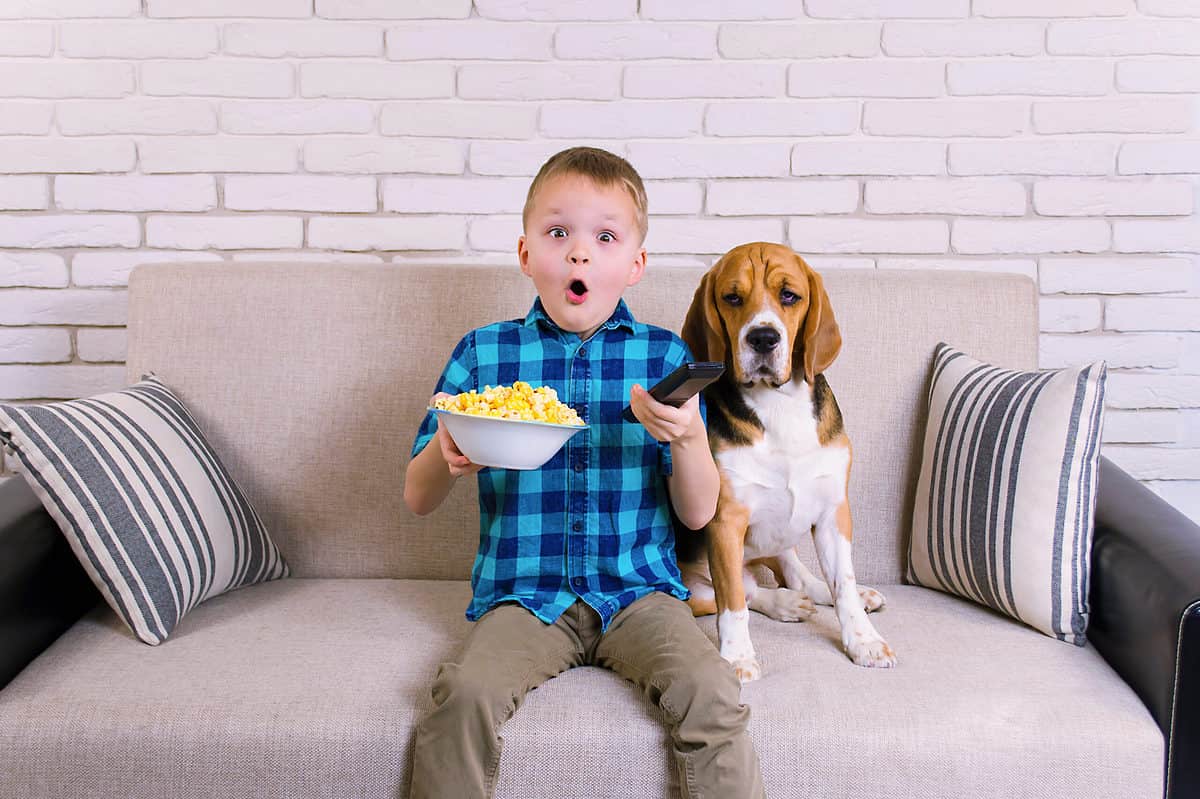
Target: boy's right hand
x=458, y=463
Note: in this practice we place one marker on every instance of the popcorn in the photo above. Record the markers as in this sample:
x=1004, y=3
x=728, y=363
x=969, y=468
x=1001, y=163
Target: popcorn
x=522, y=401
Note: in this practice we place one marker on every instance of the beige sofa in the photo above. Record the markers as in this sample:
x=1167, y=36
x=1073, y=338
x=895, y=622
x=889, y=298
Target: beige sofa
x=310, y=380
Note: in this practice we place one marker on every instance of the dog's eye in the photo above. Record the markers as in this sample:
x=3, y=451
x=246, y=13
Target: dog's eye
x=789, y=297
x=732, y=299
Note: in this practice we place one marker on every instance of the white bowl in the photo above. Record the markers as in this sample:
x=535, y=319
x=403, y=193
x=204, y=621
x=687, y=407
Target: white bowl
x=506, y=443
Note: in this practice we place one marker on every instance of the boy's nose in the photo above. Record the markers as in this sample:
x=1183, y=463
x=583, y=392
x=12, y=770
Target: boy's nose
x=578, y=256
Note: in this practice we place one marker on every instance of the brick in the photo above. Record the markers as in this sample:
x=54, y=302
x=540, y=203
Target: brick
x=308, y=256
x=1152, y=115
x=24, y=193
x=26, y=40
x=1170, y=8
x=391, y=9
x=960, y=196
x=54, y=79
x=1156, y=463
x=873, y=235
x=53, y=155
x=65, y=9
x=718, y=9
x=465, y=195
x=62, y=307
x=24, y=119
x=218, y=78
x=1013, y=266
x=1068, y=314
x=1120, y=351
x=152, y=117
x=473, y=40
x=34, y=345
x=59, y=382
x=542, y=10
x=888, y=8
x=944, y=117
x=301, y=193
x=111, y=269
x=1161, y=157
x=677, y=119
x=963, y=39
x=135, y=192
x=634, y=41
x=1152, y=313
x=869, y=158
x=1140, y=427
x=65, y=230
x=1030, y=236
x=1115, y=275
x=33, y=269
x=877, y=78
x=100, y=345
x=550, y=81
x=709, y=236
x=371, y=156
x=217, y=154
x=1112, y=198
x=376, y=81
x=139, y=39
x=1184, y=495
x=388, y=233
x=523, y=158
x=229, y=8
x=256, y=231
x=1053, y=8
x=674, y=197
x=1152, y=391
x=1032, y=158
x=706, y=80
x=801, y=40
x=1189, y=434
x=709, y=159
x=781, y=197
x=308, y=39
x=297, y=116
x=1154, y=235
x=461, y=120
x=1167, y=75
x=782, y=118
x=1124, y=37
x=1040, y=77
x=498, y=233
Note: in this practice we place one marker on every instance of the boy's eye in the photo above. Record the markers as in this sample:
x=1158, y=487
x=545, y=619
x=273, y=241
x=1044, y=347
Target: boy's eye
x=607, y=237
x=558, y=233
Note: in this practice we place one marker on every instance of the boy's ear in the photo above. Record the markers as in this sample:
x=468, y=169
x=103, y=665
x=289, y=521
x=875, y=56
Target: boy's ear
x=639, y=268
x=523, y=255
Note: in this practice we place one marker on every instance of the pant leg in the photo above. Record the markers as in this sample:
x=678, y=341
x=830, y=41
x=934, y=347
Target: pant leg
x=508, y=653
x=656, y=644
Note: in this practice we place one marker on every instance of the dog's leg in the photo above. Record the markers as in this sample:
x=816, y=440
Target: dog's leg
x=703, y=601
x=865, y=646
x=797, y=575
x=726, y=557
x=781, y=604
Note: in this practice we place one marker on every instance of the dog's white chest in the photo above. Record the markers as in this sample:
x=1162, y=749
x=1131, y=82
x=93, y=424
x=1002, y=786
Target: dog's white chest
x=788, y=480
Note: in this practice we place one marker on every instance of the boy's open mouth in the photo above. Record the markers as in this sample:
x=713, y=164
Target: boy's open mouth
x=577, y=291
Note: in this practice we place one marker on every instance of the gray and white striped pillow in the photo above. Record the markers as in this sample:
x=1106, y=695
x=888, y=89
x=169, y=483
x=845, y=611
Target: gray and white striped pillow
x=1003, y=513
x=148, y=508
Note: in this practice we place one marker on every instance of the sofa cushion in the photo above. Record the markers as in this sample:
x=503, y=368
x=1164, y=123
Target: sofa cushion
x=313, y=687
x=1007, y=489
x=146, y=505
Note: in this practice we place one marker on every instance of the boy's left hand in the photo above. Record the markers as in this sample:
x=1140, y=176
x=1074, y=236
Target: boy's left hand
x=666, y=423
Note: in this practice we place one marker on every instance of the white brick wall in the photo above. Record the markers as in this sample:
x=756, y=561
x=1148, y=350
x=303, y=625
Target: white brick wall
x=1054, y=138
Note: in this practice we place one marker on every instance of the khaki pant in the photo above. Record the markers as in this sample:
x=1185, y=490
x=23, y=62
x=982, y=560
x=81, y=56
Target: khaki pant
x=654, y=643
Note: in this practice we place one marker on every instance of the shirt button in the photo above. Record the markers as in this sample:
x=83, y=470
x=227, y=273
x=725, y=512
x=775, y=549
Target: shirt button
x=579, y=467
x=583, y=352
x=577, y=526
x=578, y=582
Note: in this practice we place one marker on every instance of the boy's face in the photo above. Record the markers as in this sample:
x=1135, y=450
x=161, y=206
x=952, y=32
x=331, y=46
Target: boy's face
x=582, y=248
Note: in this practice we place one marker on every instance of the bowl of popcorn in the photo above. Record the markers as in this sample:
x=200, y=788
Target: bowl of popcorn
x=508, y=427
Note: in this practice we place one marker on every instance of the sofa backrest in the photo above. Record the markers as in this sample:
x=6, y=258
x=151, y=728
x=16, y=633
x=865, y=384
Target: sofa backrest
x=311, y=380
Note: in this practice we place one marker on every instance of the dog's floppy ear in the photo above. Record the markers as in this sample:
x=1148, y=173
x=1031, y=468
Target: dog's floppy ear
x=820, y=339
x=703, y=331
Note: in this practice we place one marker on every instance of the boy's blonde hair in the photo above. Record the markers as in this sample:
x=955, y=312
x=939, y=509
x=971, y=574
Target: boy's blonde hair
x=602, y=167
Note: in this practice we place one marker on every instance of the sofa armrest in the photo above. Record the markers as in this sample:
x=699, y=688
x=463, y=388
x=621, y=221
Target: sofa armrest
x=43, y=589
x=1145, y=612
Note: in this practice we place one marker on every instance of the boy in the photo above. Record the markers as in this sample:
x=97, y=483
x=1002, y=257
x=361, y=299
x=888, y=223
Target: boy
x=576, y=562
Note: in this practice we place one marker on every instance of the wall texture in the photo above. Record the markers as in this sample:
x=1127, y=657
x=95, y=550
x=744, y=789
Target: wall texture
x=1058, y=138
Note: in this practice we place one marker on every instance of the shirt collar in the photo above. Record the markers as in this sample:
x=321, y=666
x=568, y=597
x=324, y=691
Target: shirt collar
x=621, y=317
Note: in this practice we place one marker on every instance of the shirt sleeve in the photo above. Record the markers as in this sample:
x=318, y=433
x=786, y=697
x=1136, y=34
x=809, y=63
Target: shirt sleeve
x=457, y=377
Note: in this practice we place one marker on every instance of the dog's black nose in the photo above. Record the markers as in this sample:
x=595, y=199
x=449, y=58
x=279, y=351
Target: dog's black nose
x=763, y=339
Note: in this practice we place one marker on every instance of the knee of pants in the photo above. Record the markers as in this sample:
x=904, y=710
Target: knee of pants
x=710, y=690
x=471, y=692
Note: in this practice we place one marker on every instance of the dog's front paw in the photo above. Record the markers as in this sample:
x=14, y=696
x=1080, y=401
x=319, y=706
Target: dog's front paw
x=783, y=604
x=746, y=669
x=872, y=653
x=872, y=600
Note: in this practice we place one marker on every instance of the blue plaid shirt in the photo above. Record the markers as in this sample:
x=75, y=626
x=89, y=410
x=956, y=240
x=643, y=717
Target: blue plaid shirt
x=595, y=521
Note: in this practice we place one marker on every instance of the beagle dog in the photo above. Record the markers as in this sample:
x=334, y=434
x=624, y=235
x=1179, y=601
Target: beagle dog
x=777, y=437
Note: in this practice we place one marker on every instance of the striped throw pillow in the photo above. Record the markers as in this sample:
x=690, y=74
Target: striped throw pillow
x=1003, y=513
x=153, y=516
